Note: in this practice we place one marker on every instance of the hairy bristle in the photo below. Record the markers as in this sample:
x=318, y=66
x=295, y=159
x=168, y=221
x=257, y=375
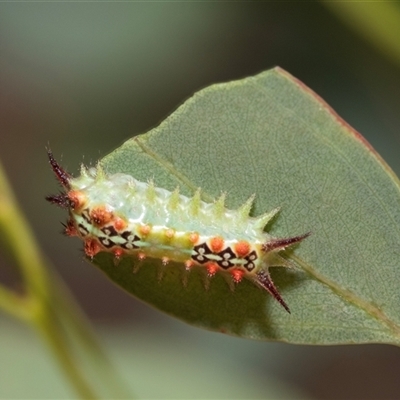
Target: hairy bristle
x=280, y=244
x=63, y=176
x=264, y=280
x=60, y=200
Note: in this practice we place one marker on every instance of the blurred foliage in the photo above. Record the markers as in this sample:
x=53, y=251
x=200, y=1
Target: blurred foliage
x=377, y=22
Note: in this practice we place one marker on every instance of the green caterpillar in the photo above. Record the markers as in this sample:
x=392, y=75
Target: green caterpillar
x=118, y=214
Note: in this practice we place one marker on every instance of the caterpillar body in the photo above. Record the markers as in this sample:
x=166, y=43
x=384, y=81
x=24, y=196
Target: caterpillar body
x=119, y=214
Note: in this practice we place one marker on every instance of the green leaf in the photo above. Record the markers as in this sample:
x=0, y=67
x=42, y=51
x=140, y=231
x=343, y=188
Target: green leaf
x=272, y=136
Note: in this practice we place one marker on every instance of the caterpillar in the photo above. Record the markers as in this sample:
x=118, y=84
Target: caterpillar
x=119, y=214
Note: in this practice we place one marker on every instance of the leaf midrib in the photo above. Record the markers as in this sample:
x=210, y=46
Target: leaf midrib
x=349, y=296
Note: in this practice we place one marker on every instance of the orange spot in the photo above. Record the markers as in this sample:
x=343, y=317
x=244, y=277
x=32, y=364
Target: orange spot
x=242, y=248
x=118, y=252
x=194, y=237
x=144, y=229
x=92, y=247
x=77, y=199
x=188, y=264
x=101, y=216
x=141, y=256
x=237, y=275
x=70, y=229
x=217, y=244
x=119, y=224
x=169, y=233
x=165, y=261
x=212, y=269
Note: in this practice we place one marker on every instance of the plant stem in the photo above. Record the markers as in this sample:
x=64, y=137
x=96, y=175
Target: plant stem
x=47, y=305
x=81, y=330
x=14, y=304
x=56, y=339
x=21, y=241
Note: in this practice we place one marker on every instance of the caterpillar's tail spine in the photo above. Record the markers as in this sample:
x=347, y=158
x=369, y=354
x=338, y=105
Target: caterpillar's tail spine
x=276, y=244
x=264, y=280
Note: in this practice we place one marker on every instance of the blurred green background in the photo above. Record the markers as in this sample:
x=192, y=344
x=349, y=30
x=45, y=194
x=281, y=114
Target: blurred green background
x=85, y=77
